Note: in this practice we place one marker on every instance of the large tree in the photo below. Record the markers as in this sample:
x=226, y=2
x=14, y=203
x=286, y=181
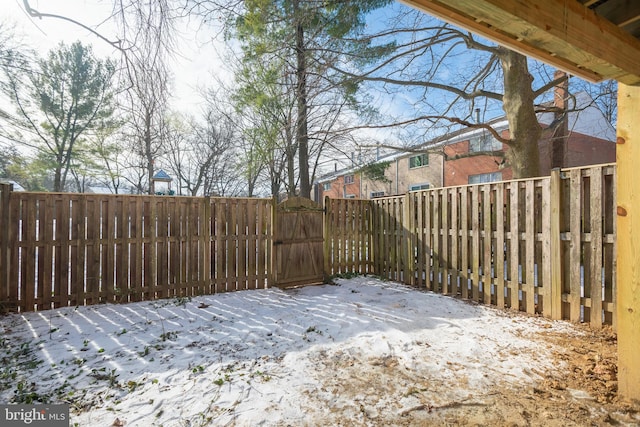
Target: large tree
x=66, y=96
x=303, y=37
x=450, y=75
x=147, y=30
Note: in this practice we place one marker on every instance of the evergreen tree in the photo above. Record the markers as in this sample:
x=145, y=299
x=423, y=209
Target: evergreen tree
x=66, y=96
x=303, y=37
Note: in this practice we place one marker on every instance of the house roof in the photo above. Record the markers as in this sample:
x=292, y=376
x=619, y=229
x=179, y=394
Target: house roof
x=585, y=118
x=161, y=176
x=16, y=186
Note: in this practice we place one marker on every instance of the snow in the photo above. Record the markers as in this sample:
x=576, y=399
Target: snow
x=363, y=348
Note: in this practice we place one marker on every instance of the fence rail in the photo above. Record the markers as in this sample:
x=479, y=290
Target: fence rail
x=60, y=249
x=543, y=245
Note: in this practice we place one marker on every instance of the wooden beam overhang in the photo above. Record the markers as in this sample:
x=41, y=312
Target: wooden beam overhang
x=563, y=33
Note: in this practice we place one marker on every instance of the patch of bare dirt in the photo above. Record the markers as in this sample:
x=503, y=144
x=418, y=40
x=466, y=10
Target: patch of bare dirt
x=383, y=391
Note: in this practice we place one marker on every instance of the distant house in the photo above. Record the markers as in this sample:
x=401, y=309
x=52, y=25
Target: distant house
x=396, y=173
x=16, y=186
x=449, y=160
x=590, y=140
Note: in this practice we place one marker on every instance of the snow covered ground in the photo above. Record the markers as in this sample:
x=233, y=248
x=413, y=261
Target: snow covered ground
x=359, y=352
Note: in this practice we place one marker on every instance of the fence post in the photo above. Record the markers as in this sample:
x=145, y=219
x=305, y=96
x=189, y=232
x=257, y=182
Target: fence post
x=628, y=251
x=5, y=247
x=556, y=246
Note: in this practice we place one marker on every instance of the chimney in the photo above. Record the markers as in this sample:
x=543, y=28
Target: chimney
x=561, y=91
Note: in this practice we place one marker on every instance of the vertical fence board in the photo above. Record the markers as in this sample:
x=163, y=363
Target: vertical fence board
x=386, y=255
x=264, y=232
x=243, y=235
x=184, y=239
x=328, y=233
x=417, y=231
x=543, y=257
x=232, y=258
x=151, y=248
x=499, y=252
x=122, y=248
x=5, y=251
x=77, y=255
x=575, y=263
x=514, y=246
x=434, y=234
x=475, y=244
x=136, y=271
x=46, y=252
x=555, y=247
x=162, y=248
x=88, y=237
x=221, y=247
x=109, y=259
x=445, y=233
x=14, y=239
x=610, y=246
x=455, y=239
x=29, y=240
x=595, y=201
x=464, y=241
x=388, y=230
x=487, y=279
x=529, y=292
x=252, y=246
x=407, y=243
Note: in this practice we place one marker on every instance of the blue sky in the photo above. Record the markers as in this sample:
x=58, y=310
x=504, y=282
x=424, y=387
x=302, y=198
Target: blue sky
x=200, y=56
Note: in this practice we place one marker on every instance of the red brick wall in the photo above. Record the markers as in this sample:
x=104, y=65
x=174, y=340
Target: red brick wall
x=457, y=172
x=581, y=150
x=339, y=188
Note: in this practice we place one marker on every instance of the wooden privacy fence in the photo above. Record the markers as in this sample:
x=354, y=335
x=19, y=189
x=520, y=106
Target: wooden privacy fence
x=60, y=249
x=544, y=245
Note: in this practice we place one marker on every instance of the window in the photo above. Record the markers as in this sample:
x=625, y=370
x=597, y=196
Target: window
x=348, y=179
x=418, y=161
x=418, y=187
x=375, y=194
x=484, y=143
x=326, y=186
x=350, y=196
x=485, y=177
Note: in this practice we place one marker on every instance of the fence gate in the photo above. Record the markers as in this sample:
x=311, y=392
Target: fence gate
x=298, y=243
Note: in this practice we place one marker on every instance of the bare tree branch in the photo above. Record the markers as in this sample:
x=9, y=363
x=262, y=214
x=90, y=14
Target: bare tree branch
x=36, y=14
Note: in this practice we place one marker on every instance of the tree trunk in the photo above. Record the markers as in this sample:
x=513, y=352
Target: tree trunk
x=148, y=153
x=57, y=178
x=302, y=136
x=518, y=105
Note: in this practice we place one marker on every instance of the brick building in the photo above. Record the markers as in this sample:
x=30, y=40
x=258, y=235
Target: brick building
x=450, y=160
